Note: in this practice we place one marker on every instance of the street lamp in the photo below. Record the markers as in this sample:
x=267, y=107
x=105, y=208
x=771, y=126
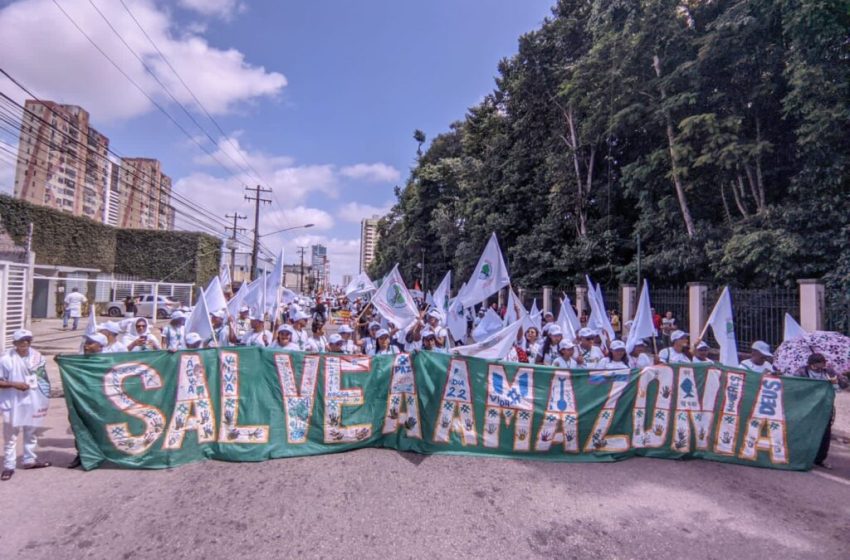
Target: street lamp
x=256, y=250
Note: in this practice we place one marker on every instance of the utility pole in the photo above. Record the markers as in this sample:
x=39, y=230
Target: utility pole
x=257, y=198
x=234, y=229
x=301, y=274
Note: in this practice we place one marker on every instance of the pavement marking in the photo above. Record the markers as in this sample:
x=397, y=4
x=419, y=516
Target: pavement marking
x=831, y=477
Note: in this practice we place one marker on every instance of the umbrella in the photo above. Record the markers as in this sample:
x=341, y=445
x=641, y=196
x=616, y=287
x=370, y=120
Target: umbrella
x=794, y=353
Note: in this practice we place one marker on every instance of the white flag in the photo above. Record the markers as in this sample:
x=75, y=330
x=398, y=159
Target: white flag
x=199, y=319
x=440, y=296
x=215, y=295
x=598, y=319
x=91, y=327
x=360, y=285
x=224, y=275
x=495, y=347
x=490, y=275
x=394, y=302
x=489, y=324
x=642, y=325
x=512, y=314
x=722, y=324
x=792, y=328
x=255, y=296
x=272, y=303
x=567, y=320
x=236, y=301
x=456, y=320
x=536, y=316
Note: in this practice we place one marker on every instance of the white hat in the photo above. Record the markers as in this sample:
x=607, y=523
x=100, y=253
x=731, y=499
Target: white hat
x=703, y=346
x=762, y=348
x=677, y=335
x=334, y=339
x=374, y=325
x=555, y=330
x=549, y=314
x=111, y=327
x=97, y=337
x=428, y=332
x=435, y=313
x=177, y=315
x=345, y=329
x=641, y=342
x=618, y=345
x=244, y=308
x=21, y=334
x=586, y=333
x=255, y=318
x=286, y=328
x=300, y=316
x=564, y=344
x=193, y=338
x=382, y=332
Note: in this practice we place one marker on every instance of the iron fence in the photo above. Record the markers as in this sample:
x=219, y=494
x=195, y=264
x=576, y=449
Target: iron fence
x=759, y=313
x=673, y=298
x=838, y=313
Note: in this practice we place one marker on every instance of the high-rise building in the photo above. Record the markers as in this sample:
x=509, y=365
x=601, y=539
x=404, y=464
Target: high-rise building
x=346, y=279
x=320, y=265
x=145, y=194
x=368, y=241
x=62, y=161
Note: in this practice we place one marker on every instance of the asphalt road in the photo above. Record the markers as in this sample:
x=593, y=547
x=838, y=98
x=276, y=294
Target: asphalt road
x=378, y=503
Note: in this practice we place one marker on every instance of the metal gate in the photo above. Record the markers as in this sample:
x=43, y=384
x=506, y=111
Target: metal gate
x=14, y=279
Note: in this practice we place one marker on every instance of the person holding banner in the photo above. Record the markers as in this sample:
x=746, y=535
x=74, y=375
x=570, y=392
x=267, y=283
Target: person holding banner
x=193, y=341
x=549, y=348
x=433, y=318
x=224, y=334
x=618, y=358
x=370, y=342
x=565, y=359
x=243, y=322
x=676, y=353
x=639, y=357
x=173, y=333
x=384, y=347
x=348, y=345
x=531, y=344
x=24, y=391
x=111, y=330
x=317, y=341
x=701, y=354
x=258, y=335
x=589, y=354
x=299, y=331
x=757, y=362
x=334, y=344
x=94, y=344
x=283, y=339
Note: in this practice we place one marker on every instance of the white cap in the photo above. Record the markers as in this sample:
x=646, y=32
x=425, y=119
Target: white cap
x=374, y=325
x=193, y=338
x=702, y=346
x=252, y=318
x=435, y=313
x=677, y=335
x=110, y=327
x=555, y=330
x=244, y=308
x=641, y=342
x=762, y=348
x=177, y=315
x=334, y=339
x=345, y=329
x=97, y=337
x=586, y=333
x=286, y=328
x=382, y=332
x=21, y=334
x=300, y=316
x=428, y=332
x=618, y=345
x=564, y=344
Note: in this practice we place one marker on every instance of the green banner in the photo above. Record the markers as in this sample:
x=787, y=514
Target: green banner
x=159, y=409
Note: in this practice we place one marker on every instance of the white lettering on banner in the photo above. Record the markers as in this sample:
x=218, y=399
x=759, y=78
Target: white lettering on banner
x=456, y=413
x=229, y=429
x=403, y=400
x=600, y=440
x=651, y=430
x=336, y=397
x=727, y=433
x=511, y=400
x=297, y=402
x=113, y=387
x=560, y=421
x=768, y=414
x=193, y=408
x=691, y=411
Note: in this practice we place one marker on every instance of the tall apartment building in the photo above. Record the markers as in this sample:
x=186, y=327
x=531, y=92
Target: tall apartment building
x=320, y=265
x=368, y=241
x=62, y=161
x=145, y=195
x=65, y=164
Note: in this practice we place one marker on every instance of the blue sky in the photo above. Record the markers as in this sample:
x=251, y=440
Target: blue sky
x=320, y=97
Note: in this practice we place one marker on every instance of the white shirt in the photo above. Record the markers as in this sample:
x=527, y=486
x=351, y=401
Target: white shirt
x=289, y=345
x=532, y=349
x=348, y=347
x=670, y=356
x=256, y=338
x=114, y=347
x=643, y=360
x=74, y=303
x=314, y=344
x=608, y=363
x=766, y=367
x=300, y=338
x=592, y=356
x=389, y=351
x=24, y=408
x=151, y=343
x=568, y=363
x=701, y=361
x=173, y=337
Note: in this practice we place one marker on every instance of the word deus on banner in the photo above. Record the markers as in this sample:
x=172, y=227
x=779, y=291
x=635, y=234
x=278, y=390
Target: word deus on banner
x=251, y=404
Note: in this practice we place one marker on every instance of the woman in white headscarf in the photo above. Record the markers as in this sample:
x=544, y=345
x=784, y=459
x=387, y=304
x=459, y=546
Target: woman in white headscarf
x=143, y=340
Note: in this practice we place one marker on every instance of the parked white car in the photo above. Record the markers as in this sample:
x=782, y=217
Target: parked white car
x=144, y=306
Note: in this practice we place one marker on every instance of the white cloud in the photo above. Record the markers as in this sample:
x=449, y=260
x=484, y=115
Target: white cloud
x=372, y=172
x=343, y=254
x=224, y=9
x=48, y=54
x=354, y=212
x=298, y=216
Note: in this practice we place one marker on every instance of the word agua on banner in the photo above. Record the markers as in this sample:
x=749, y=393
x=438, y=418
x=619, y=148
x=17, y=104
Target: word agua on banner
x=252, y=404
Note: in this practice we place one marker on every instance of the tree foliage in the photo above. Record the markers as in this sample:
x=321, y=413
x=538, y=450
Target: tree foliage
x=716, y=132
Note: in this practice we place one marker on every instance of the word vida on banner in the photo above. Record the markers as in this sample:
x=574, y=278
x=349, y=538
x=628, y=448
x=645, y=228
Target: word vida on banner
x=160, y=409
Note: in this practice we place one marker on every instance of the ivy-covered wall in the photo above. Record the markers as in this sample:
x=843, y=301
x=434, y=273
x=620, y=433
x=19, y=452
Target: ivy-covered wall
x=62, y=239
